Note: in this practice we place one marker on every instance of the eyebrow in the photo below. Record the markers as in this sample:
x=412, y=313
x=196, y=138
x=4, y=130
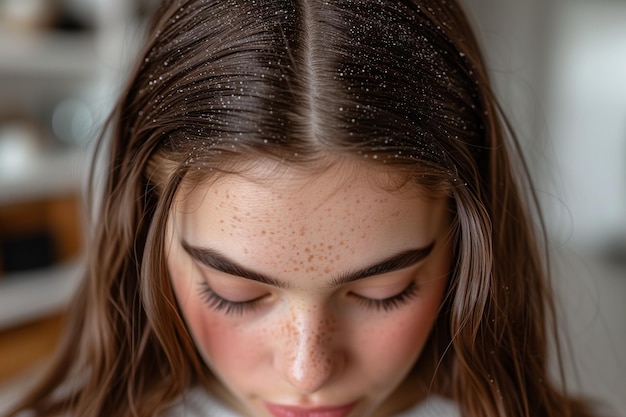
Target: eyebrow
x=216, y=260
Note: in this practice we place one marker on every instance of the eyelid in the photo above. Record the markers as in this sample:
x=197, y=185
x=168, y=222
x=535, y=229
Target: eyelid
x=369, y=287
x=392, y=302
x=389, y=280
x=218, y=300
x=219, y=303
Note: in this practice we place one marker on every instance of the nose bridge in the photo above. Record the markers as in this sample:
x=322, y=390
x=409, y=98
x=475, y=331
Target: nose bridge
x=310, y=358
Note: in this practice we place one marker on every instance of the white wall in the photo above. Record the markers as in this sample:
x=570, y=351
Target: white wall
x=559, y=67
x=587, y=113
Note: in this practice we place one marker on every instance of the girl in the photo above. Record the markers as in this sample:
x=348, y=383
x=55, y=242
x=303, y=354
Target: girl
x=311, y=209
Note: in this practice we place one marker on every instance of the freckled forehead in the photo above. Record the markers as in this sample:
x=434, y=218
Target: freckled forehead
x=292, y=223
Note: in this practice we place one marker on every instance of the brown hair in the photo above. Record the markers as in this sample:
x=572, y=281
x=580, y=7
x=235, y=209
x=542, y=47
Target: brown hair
x=400, y=84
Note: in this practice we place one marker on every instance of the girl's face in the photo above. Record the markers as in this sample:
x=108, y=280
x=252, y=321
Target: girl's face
x=310, y=297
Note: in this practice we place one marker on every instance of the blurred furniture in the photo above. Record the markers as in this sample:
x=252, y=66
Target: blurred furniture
x=62, y=63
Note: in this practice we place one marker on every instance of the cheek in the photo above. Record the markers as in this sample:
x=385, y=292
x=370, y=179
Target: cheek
x=395, y=344
x=223, y=345
x=390, y=346
x=220, y=344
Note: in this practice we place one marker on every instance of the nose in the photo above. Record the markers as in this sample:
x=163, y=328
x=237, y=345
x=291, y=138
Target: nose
x=309, y=359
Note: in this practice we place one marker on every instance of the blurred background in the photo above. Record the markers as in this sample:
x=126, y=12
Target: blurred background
x=558, y=66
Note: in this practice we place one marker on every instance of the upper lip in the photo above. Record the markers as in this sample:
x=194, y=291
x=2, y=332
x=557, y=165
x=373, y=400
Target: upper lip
x=299, y=410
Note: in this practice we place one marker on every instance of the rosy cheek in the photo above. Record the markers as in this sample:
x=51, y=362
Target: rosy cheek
x=216, y=338
x=406, y=334
x=224, y=345
x=399, y=337
x=394, y=343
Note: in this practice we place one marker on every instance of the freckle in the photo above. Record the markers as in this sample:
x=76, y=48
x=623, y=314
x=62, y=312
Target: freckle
x=327, y=270
x=222, y=221
x=311, y=257
x=307, y=250
x=263, y=232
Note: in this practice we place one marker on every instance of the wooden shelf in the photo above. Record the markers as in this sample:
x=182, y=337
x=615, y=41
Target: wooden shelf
x=24, y=347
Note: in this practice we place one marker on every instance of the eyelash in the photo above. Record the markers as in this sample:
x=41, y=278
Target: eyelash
x=218, y=303
x=223, y=305
x=391, y=303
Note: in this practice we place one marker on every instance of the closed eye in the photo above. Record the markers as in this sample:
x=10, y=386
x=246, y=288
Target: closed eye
x=389, y=303
x=221, y=304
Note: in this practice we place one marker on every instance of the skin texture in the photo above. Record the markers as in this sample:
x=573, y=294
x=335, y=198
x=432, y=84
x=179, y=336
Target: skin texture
x=309, y=343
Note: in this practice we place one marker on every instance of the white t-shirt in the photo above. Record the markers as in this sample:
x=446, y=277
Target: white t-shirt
x=199, y=403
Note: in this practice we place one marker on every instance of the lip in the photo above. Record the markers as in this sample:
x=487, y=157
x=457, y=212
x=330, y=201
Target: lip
x=297, y=411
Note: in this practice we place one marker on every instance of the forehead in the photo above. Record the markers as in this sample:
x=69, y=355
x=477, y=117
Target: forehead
x=289, y=222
